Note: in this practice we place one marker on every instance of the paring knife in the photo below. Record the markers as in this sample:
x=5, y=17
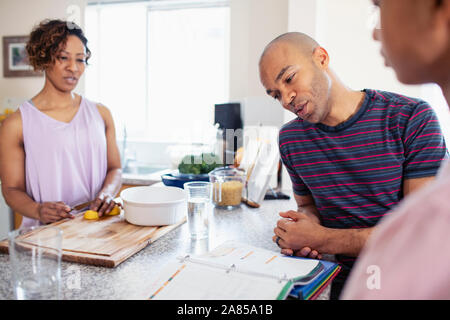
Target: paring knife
x=79, y=207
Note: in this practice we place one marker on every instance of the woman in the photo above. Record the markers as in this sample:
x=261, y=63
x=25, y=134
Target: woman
x=407, y=256
x=58, y=149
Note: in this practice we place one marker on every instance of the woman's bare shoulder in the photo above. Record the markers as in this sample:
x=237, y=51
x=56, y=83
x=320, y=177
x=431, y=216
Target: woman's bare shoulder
x=102, y=108
x=105, y=113
x=12, y=126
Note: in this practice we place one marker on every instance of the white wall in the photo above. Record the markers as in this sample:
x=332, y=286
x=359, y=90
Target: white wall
x=253, y=23
x=355, y=56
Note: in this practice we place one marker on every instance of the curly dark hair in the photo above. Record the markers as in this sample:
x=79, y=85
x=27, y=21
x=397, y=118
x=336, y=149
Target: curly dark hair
x=48, y=38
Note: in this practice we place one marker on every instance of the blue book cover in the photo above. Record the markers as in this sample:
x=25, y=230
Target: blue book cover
x=310, y=290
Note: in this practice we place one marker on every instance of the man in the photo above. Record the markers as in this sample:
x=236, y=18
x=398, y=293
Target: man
x=407, y=257
x=351, y=155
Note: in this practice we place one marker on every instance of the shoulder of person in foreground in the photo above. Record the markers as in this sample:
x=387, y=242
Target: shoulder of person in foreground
x=408, y=261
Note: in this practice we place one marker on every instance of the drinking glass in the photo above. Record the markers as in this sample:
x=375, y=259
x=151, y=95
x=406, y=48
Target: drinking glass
x=35, y=259
x=199, y=207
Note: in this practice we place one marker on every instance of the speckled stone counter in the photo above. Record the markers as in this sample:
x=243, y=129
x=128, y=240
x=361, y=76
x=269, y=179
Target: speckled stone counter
x=132, y=278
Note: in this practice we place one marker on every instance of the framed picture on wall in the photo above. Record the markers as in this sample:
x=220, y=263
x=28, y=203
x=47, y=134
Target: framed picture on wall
x=15, y=59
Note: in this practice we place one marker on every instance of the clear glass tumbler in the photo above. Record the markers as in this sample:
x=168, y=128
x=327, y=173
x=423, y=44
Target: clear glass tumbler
x=35, y=258
x=199, y=207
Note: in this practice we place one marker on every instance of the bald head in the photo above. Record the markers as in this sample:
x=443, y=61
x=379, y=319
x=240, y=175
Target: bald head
x=297, y=40
x=294, y=69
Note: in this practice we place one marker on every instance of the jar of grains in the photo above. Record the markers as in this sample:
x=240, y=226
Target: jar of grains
x=228, y=184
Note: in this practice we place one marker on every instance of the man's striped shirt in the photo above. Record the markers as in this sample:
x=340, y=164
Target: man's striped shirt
x=355, y=170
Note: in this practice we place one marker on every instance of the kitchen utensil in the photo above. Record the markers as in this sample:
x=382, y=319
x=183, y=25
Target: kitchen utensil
x=250, y=203
x=245, y=199
x=154, y=206
x=79, y=207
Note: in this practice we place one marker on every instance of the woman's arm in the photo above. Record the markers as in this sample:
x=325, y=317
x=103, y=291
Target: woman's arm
x=104, y=202
x=12, y=175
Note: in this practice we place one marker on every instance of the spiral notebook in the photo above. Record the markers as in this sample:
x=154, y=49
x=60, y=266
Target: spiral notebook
x=234, y=271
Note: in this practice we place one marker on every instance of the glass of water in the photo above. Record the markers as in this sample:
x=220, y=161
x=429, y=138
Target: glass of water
x=199, y=207
x=35, y=259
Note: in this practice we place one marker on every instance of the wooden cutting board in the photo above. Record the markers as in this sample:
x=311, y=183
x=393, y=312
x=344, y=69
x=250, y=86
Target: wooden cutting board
x=106, y=242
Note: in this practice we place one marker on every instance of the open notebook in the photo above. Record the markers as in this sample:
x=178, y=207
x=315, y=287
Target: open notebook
x=234, y=271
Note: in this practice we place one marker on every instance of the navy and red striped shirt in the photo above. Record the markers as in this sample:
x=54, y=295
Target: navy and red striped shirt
x=355, y=170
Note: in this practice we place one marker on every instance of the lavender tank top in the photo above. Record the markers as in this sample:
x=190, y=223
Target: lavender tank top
x=63, y=161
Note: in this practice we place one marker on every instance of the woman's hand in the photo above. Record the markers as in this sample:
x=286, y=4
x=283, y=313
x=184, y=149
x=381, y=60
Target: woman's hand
x=50, y=212
x=103, y=204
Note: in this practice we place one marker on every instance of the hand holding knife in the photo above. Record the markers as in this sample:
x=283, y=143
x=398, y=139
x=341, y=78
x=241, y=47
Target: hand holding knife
x=80, y=207
x=50, y=212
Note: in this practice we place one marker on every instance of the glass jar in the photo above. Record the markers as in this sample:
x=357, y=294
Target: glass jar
x=228, y=185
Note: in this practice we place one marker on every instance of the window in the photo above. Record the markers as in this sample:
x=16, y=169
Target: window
x=160, y=66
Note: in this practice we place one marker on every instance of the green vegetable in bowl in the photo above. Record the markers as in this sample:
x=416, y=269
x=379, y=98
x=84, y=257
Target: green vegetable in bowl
x=199, y=164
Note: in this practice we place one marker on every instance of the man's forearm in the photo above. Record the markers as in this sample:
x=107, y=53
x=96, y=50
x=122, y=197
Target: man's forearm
x=344, y=241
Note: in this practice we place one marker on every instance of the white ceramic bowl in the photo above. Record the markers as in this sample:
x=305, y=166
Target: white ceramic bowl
x=154, y=206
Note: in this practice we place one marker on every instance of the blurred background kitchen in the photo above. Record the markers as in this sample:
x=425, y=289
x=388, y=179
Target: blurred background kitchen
x=162, y=66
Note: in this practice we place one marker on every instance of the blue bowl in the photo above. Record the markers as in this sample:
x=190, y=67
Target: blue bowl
x=178, y=179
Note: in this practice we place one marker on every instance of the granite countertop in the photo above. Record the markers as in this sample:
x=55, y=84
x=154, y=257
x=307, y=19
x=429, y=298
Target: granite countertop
x=132, y=278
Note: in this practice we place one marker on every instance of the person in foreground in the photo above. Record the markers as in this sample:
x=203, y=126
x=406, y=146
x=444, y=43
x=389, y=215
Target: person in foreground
x=407, y=257
x=351, y=155
x=58, y=149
